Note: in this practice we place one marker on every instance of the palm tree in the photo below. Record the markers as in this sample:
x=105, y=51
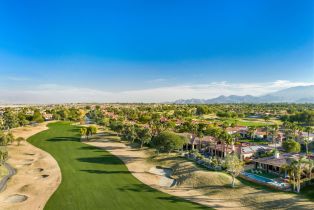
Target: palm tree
x=252, y=129
x=229, y=141
x=309, y=130
x=266, y=118
x=293, y=128
x=287, y=125
x=235, y=138
x=298, y=168
x=310, y=164
x=200, y=135
x=215, y=132
x=289, y=168
x=274, y=134
x=226, y=139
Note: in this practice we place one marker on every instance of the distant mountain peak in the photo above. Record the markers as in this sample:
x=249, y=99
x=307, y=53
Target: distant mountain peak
x=298, y=94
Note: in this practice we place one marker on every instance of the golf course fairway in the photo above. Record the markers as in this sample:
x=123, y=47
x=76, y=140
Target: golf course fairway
x=94, y=179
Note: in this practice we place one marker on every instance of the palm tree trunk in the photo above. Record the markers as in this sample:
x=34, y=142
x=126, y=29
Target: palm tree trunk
x=298, y=185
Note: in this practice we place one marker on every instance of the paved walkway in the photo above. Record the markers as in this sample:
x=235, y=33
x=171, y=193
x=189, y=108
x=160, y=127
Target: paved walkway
x=5, y=179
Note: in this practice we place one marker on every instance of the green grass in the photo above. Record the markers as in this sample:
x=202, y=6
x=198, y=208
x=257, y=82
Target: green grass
x=94, y=179
x=247, y=121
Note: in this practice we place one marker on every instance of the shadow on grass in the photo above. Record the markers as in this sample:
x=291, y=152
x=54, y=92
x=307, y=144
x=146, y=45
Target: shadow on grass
x=63, y=139
x=104, y=159
x=137, y=188
x=105, y=172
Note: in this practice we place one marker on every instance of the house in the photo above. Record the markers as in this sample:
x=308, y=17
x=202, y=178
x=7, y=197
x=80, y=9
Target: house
x=260, y=134
x=242, y=130
x=248, y=151
x=163, y=119
x=305, y=135
x=88, y=120
x=47, y=117
x=275, y=164
x=29, y=112
x=111, y=115
x=194, y=141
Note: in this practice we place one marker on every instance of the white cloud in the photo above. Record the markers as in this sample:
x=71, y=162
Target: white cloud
x=53, y=93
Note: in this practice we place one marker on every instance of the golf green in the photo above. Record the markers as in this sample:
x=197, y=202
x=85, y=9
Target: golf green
x=94, y=179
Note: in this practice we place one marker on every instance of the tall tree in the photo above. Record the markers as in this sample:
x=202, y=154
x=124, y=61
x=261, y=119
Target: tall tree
x=298, y=168
x=234, y=166
x=144, y=135
x=252, y=131
x=10, y=119
x=168, y=141
x=291, y=145
x=309, y=130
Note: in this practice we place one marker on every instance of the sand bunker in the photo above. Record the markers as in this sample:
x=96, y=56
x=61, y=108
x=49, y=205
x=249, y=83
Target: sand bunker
x=38, y=170
x=16, y=198
x=29, y=189
x=165, y=179
x=31, y=154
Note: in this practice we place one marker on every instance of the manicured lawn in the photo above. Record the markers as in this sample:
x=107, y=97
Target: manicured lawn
x=248, y=121
x=94, y=179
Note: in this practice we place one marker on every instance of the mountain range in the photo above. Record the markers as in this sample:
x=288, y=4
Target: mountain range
x=299, y=94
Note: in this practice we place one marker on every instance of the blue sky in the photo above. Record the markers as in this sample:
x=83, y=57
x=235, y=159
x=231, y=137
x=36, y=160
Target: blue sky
x=150, y=50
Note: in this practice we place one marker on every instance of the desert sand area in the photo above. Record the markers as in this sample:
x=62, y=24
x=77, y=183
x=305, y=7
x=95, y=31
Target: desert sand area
x=37, y=174
x=213, y=195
